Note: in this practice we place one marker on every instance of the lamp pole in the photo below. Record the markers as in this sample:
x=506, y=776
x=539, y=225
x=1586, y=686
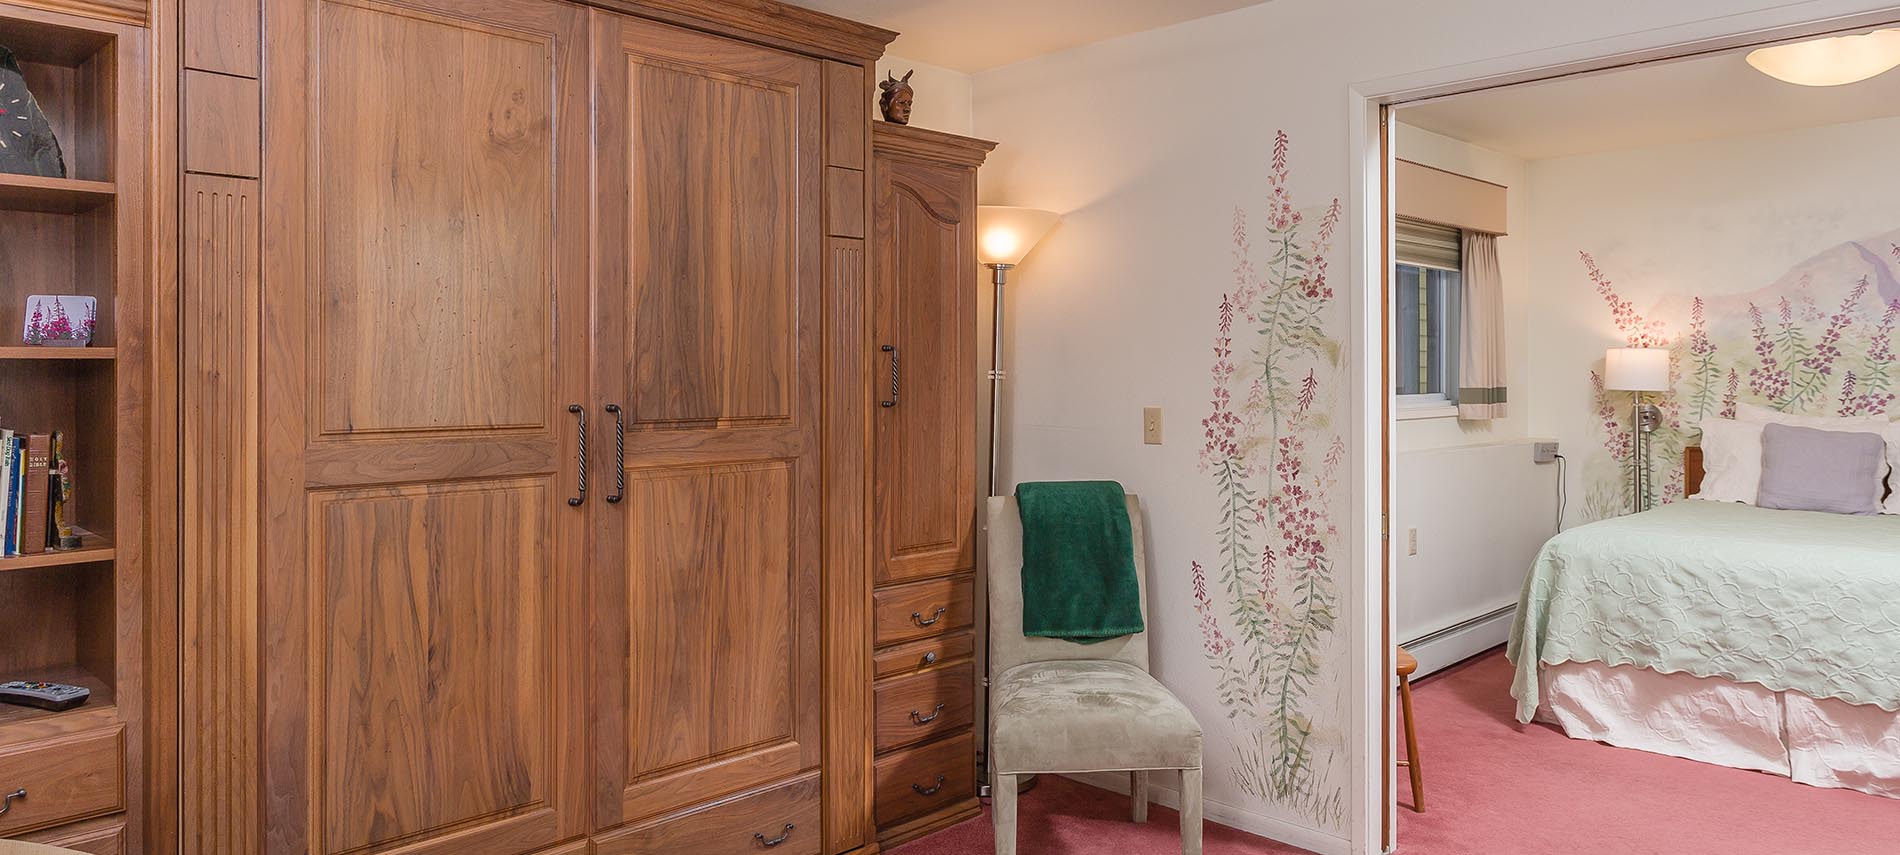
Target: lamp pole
x=999, y=276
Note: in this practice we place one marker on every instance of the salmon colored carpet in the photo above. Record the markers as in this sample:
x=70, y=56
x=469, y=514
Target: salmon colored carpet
x=1493, y=786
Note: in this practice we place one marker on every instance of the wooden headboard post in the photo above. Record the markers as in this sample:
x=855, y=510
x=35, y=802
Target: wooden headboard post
x=1691, y=470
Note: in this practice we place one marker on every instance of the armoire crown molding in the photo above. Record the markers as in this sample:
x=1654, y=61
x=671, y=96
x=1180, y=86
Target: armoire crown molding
x=930, y=145
x=775, y=23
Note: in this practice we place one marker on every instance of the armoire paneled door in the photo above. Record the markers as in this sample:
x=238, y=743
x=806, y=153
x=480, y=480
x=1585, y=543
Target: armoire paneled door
x=425, y=330
x=710, y=277
x=547, y=532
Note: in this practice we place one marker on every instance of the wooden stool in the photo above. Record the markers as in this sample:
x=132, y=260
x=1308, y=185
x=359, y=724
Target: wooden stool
x=1407, y=665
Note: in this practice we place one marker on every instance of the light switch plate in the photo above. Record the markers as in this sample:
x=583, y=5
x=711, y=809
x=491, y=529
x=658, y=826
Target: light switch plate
x=1151, y=425
x=1411, y=541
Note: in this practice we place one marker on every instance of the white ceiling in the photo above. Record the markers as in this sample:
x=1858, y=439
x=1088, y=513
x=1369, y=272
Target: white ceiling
x=1657, y=104
x=974, y=35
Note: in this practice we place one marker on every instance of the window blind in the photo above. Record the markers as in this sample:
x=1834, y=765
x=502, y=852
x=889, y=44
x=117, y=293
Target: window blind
x=1427, y=244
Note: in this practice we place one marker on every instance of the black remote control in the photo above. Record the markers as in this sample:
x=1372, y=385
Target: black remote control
x=46, y=696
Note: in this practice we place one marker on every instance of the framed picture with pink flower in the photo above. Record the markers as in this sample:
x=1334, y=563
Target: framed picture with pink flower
x=60, y=320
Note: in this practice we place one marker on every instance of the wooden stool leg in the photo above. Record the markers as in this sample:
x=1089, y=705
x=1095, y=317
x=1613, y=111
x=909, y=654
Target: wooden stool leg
x=1138, y=794
x=1411, y=745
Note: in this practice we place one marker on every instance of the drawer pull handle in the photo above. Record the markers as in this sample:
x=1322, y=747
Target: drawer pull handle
x=921, y=720
x=930, y=658
x=6, y=802
x=759, y=836
x=919, y=619
x=930, y=790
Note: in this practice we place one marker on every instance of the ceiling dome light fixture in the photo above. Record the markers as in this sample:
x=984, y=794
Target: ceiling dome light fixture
x=1830, y=61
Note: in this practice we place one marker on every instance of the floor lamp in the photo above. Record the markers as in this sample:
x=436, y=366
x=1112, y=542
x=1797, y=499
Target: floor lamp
x=1004, y=236
x=1638, y=370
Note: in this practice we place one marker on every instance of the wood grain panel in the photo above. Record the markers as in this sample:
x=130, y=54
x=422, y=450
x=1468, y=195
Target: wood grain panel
x=923, y=706
x=436, y=700
x=847, y=125
x=97, y=837
x=437, y=632
x=919, y=609
x=844, y=202
x=66, y=779
x=847, y=579
x=925, y=307
x=220, y=513
x=226, y=141
x=713, y=242
x=436, y=259
x=222, y=36
x=906, y=780
x=924, y=653
x=738, y=825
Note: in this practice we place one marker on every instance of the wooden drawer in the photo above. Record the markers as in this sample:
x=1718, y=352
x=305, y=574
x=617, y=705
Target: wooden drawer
x=921, y=654
x=920, y=609
x=924, y=706
x=925, y=778
x=98, y=837
x=66, y=778
x=730, y=826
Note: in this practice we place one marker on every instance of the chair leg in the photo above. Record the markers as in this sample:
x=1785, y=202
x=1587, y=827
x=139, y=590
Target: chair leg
x=1411, y=746
x=1190, y=812
x=1138, y=793
x=1003, y=811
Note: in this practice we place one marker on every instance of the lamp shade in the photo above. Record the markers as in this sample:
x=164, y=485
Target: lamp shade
x=1636, y=369
x=1005, y=234
x=1830, y=61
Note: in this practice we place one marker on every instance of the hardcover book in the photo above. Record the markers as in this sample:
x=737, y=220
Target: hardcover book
x=33, y=507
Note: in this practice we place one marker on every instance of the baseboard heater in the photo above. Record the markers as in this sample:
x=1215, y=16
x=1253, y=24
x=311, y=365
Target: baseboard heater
x=1458, y=627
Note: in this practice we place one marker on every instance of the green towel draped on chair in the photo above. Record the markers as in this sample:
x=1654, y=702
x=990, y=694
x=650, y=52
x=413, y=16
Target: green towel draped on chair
x=1078, y=561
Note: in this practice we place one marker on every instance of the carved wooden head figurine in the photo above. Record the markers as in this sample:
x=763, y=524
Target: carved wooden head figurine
x=895, y=102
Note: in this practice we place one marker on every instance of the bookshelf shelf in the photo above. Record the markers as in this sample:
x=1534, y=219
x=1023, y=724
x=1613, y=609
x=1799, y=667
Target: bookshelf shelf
x=58, y=354
x=53, y=195
x=100, y=706
x=92, y=549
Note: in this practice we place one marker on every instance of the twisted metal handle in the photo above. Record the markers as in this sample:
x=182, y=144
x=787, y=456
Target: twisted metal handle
x=918, y=617
x=580, y=456
x=769, y=843
x=6, y=802
x=620, y=456
x=892, y=350
x=930, y=790
x=921, y=720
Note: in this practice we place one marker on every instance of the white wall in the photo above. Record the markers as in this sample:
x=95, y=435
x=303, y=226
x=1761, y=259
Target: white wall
x=1734, y=221
x=1149, y=143
x=944, y=96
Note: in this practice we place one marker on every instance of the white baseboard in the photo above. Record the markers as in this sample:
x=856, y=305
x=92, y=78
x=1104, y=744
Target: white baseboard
x=1233, y=817
x=1441, y=650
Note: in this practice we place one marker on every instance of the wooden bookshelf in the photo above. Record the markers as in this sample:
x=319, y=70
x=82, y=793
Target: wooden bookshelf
x=92, y=548
x=53, y=195
x=58, y=353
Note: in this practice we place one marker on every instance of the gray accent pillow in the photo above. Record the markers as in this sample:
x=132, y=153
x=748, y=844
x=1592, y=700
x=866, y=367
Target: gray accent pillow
x=1808, y=469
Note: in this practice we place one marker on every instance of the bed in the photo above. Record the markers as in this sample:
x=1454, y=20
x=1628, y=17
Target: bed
x=1726, y=633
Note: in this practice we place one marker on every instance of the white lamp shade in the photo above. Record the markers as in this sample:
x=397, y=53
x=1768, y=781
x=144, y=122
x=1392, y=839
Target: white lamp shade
x=1636, y=369
x=1831, y=61
x=1005, y=234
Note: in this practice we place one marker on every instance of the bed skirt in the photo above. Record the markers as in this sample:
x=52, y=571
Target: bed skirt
x=1825, y=743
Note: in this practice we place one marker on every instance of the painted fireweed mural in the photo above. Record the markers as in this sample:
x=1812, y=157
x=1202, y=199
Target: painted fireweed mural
x=1817, y=342
x=1274, y=453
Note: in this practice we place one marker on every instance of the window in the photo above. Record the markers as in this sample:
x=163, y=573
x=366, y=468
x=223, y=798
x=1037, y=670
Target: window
x=1427, y=285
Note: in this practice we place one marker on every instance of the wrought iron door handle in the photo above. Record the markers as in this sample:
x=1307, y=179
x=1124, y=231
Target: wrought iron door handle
x=769, y=843
x=892, y=350
x=919, y=619
x=921, y=720
x=930, y=790
x=620, y=456
x=6, y=802
x=580, y=455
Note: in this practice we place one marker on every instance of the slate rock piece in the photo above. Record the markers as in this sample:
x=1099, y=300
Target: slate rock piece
x=27, y=145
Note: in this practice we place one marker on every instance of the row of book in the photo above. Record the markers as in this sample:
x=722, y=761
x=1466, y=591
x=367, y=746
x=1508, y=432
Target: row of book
x=31, y=473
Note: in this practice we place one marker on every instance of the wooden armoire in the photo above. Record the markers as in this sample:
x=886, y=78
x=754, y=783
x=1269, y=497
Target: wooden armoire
x=534, y=366
x=924, y=472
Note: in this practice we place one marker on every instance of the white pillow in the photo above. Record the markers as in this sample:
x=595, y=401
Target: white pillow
x=1892, y=435
x=1757, y=413
x=1731, y=461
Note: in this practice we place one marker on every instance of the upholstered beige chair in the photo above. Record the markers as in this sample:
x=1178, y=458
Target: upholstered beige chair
x=1057, y=706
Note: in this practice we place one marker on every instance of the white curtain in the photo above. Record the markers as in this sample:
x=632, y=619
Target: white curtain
x=1481, y=383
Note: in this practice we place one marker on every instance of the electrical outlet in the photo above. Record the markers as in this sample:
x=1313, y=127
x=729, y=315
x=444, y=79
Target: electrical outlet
x=1544, y=452
x=1411, y=541
x=1151, y=425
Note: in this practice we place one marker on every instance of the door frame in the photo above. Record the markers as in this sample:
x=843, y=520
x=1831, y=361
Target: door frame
x=1373, y=818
